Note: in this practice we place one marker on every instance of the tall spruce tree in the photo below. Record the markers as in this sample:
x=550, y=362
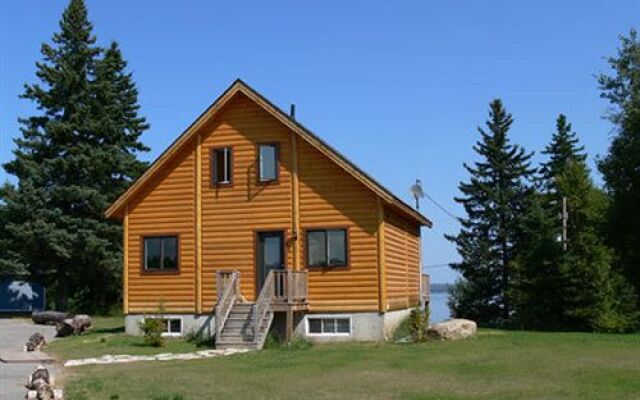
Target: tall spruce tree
x=564, y=148
x=594, y=296
x=73, y=159
x=621, y=166
x=537, y=283
x=494, y=199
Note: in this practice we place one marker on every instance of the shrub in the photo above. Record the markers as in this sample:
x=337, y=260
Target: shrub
x=152, y=328
x=275, y=343
x=418, y=325
x=200, y=339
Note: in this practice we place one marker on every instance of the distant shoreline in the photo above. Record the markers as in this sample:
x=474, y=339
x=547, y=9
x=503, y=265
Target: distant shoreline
x=440, y=287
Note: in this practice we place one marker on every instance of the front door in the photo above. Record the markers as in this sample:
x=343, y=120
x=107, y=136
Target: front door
x=270, y=255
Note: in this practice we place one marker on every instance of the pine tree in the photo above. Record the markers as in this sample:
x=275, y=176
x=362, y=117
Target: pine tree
x=72, y=160
x=594, y=296
x=494, y=198
x=564, y=148
x=537, y=285
x=621, y=166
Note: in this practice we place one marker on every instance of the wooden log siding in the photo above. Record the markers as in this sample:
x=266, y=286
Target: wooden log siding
x=165, y=207
x=402, y=261
x=331, y=198
x=228, y=218
x=231, y=215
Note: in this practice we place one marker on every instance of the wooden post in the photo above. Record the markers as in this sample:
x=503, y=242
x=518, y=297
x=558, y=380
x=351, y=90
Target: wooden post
x=382, y=284
x=198, y=224
x=289, y=333
x=125, y=264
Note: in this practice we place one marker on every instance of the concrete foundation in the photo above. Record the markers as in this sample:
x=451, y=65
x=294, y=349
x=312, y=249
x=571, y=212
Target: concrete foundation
x=191, y=323
x=365, y=326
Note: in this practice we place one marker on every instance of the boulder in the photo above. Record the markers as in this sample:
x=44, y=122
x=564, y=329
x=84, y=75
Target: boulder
x=453, y=329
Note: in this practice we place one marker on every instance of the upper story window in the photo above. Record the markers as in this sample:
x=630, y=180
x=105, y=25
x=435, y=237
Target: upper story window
x=327, y=248
x=221, y=166
x=160, y=253
x=268, y=162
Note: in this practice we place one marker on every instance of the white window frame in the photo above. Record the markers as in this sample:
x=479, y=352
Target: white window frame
x=329, y=316
x=169, y=318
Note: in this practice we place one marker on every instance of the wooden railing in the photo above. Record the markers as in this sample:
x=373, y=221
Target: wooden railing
x=290, y=287
x=281, y=287
x=228, y=288
x=425, y=291
x=263, y=304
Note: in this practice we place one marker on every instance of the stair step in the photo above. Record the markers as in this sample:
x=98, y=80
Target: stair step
x=243, y=306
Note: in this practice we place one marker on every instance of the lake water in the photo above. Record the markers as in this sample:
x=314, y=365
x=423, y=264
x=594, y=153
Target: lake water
x=438, y=307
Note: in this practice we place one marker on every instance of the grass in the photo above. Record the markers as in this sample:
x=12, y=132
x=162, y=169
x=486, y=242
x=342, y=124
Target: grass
x=496, y=365
x=107, y=337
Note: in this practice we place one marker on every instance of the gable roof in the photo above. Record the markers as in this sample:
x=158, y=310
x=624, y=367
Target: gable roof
x=241, y=87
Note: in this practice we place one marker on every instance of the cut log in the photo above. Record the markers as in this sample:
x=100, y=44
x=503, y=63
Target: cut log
x=49, y=317
x=73, y=326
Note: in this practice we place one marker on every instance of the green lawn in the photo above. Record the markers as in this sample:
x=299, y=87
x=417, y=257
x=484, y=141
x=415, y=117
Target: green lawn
x=107, y=337
x=496, y=365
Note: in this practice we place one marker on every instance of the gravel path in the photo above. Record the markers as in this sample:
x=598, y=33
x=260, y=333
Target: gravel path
x=13, y=376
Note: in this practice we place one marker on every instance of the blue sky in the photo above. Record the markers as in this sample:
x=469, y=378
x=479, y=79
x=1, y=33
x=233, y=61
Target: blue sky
x=399, y=87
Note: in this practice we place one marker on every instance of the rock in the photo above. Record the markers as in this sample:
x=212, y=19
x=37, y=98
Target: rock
x=35, y=342
x=73, y=326
x=453, y=329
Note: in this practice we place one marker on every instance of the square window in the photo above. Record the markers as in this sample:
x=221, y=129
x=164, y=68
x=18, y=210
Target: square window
x=327, y=248
x=160, y=253
x=268, y=162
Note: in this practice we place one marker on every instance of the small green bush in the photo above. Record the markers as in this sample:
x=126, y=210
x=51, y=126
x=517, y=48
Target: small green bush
x=152, y=328
x=419, y=324
x=200, y=339
x=273, y=342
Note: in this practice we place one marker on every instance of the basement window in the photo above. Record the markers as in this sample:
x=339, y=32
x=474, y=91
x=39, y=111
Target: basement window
x=268, y=162
x=221, y=166
x=160, y=253
x=172, y=326
x=327, y=248
x=329, y=326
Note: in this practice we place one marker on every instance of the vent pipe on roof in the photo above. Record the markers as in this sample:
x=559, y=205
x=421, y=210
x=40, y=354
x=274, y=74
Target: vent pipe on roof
x=292, y=111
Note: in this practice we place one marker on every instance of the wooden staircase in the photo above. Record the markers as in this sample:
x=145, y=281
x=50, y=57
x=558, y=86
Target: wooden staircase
x=244, y=325
x=238, y=332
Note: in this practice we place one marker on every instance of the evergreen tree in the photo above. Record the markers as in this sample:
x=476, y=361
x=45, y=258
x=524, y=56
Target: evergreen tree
x=538, y=282
x=539, y=285
x=564, y=148
x=494, y=198
x=621, y=166
x=594, y=296
x=72, y=160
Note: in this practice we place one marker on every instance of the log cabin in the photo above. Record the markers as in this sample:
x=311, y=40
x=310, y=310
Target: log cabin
x=250, y=222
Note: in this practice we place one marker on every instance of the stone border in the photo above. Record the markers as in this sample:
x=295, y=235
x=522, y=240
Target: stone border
x=125, y=358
